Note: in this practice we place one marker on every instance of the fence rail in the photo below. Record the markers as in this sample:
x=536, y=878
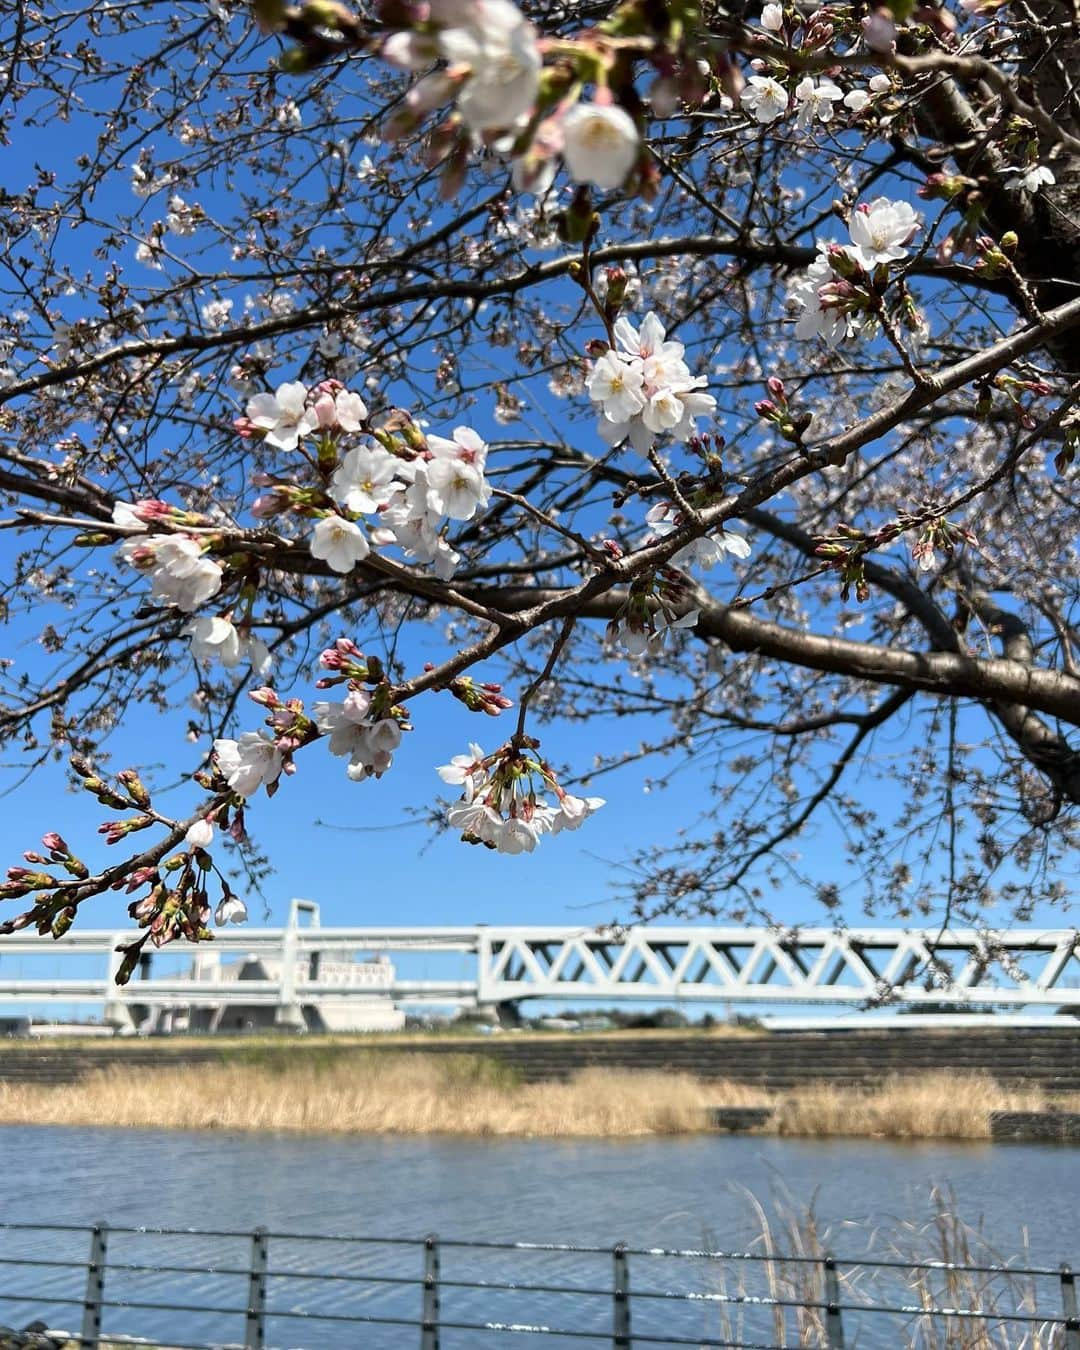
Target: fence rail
x=194, y=1289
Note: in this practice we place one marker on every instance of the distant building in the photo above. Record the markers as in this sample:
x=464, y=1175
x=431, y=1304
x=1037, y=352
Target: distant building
x=315, y=1004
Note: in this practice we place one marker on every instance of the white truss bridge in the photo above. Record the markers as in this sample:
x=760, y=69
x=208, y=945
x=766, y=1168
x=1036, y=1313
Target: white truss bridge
x=962, y=969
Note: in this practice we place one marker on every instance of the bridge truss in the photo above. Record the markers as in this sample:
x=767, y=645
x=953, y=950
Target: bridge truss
x=959, y=967
x=865, y=967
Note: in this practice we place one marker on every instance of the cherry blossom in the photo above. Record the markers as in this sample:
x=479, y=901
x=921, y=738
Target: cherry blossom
x=248, y=763
x=283, y=417
x=496, y=47
x=501, y=806
x=817, y=319
x=179, y=572
x=362, y=481
x=456, y=489
x=765, y=98
x=340, y=543
x=615, y=383
x=881, y=230
x=200, y=835
x=816, y=101
x=230, y=909
x=574, y=811
x=1031, y=180
x=601, y=144
x=645, y=388
x=217, y=639
x=368, y=740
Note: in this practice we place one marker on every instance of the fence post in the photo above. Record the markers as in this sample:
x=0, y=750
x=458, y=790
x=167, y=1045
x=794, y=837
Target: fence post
x=429, y=1318
x=90, y=1336
x=255, y=1317
x=834, y=1328
x=1068, y=1303
x=621, y=1327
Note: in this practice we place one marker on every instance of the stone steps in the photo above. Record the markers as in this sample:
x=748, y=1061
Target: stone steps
x=1049, y=1058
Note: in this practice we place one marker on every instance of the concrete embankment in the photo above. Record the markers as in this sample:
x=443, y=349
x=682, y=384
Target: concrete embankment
x=1048, y=1058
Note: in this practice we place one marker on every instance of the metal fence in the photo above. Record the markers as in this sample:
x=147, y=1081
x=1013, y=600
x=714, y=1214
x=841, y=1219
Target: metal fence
x=194, y=1289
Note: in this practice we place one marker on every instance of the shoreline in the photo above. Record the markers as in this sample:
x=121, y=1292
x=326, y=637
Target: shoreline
x=464, y=1096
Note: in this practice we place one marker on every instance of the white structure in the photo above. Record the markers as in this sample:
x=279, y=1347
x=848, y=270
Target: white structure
x=365, y=1001
x=307, y=976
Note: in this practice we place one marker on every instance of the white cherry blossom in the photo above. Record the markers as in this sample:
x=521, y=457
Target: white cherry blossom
x=881, y=230
x=350, y=409
x=765, y=98
x=465, y=445
x=601, y=144
x=248, y=763
x=816, y=101
x=181, y=574
x=772, y=18
x=231, y=909
x=340, y=543
x=283, y=416
x=215, y=639
x=708, y=550
x=456, y=489
x=645, y=388
x=200, y=834
x=805, y=291
x=615, y=383
x=362, y=480
x=1031, y=180
x=498, y=49
x=126, y=513
x=574, y=811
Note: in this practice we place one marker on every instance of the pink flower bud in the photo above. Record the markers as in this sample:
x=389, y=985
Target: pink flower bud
x=54, y=843
x=325, y=411
x=269, y=504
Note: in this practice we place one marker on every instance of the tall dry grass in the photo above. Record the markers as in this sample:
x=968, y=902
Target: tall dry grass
x=914, y=1265
x=931, y=1106
x=381, y=1093
x=378, y=1094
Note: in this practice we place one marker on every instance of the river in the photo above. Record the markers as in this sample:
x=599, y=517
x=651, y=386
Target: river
x=868, y=1197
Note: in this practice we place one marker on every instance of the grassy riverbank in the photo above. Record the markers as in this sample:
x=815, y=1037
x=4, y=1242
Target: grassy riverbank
x=467, y=1095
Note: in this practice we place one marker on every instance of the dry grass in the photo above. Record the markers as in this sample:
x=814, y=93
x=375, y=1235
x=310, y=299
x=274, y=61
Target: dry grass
x=379, y=1093
x=924, y=1272
x=383, y=1094
x=932, y=1106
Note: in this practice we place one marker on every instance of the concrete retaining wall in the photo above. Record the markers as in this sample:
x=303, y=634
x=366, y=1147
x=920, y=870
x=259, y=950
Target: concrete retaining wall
x=1047, y=1057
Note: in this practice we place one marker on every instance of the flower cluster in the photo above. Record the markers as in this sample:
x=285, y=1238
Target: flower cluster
x=365, y=725
x=180, y=572
x=499, y=806
x=490, y=63
x=840, y=293
x=356, y=729
x=645, y=389
x=407, y=482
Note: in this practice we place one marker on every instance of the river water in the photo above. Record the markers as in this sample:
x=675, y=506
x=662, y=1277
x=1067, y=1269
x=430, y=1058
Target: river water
x=869, y=1197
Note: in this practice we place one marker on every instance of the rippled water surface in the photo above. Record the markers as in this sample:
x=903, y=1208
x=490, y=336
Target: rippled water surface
x=688, y=1192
